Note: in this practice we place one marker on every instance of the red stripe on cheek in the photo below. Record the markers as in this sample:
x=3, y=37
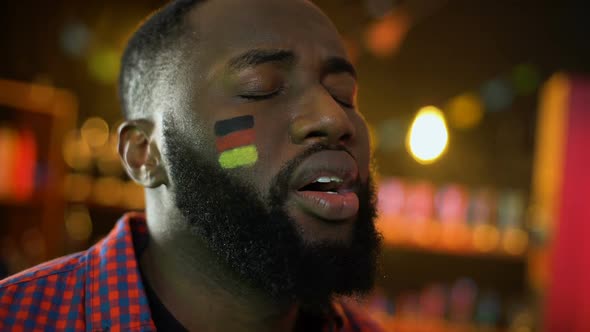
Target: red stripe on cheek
x=235, y=139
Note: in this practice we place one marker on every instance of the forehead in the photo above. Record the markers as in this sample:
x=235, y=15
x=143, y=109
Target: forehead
x=225, y=27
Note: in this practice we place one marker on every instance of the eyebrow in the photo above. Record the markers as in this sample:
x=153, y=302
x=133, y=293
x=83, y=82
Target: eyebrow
x=257, y=57
x=336, y=65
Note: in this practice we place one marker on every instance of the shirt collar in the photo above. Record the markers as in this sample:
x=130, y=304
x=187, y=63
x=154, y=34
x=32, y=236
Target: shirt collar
x=115, y=295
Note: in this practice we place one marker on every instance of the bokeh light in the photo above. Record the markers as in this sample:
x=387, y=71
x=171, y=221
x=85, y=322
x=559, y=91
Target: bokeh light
x=456, y=237
x=103, y=65
x=77, y=187
x=8, y=145
x=482, y=206
x=419, y=201
x=385, y=36
x=451, y=204
x=41, y=94
x=392, y=196
x=107, y=158
x=515, y=241
x=427, y=234
x=391, y=135
x=526, y=79
x=497, y=95
x=465, y=111
x=428, y=136
x=511, y=208
x=486, y=238
x=108, y=191
x=74, y=39
x=95, y=132
x=134, y=197
x=78, y=223
x=76, y=152
x=33, y=243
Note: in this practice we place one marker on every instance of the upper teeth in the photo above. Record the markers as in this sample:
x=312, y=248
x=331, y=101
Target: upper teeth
x=328, y=179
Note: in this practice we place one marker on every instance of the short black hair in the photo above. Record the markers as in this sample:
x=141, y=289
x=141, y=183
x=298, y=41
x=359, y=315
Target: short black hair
x=149, y=60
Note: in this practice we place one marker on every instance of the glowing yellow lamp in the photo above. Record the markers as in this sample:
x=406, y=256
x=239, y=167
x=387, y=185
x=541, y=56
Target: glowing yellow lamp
x=428, y=136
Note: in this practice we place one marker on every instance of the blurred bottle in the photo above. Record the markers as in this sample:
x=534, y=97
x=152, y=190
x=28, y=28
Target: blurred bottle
x=433, y=301
x=482, y=207
x=419, y=212
x=8, y=145
x=391, y=198
x=18, y=153
x=452, y=204
x=489, y=310
x=25, y=160
x=462, y=300
x=451, y=210
x=511, y=209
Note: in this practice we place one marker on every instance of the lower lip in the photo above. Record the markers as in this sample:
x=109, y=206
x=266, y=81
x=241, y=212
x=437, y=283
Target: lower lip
x=333, y=207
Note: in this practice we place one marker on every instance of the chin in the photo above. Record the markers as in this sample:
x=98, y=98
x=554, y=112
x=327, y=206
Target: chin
x=314, y=230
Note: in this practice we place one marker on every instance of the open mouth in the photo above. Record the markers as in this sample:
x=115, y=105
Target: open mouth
x=325, y=186
x=328, y=184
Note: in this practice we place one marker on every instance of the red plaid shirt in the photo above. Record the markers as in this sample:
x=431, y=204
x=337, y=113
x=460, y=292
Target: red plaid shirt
x=100, y=289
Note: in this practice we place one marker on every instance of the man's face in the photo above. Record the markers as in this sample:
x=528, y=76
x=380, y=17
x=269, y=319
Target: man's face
x=283, y=64
x=271, y=148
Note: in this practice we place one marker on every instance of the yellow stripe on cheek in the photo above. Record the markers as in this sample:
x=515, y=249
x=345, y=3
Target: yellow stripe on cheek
x=239, y=157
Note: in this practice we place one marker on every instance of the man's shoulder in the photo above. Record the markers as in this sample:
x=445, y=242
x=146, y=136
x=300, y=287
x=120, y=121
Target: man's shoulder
x=97, y=288
x=62, y=265
x=45, y=295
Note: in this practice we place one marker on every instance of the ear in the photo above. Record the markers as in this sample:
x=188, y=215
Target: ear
x=140, y=154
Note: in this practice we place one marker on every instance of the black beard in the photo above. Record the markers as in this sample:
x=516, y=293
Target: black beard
x=256, y=238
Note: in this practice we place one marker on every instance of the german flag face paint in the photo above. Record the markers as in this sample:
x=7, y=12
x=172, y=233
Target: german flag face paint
x=235, y=142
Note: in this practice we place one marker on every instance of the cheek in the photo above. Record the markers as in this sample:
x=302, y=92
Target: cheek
x=273, y=139
x=363, y=147
x=274, y=147
x=235, y=142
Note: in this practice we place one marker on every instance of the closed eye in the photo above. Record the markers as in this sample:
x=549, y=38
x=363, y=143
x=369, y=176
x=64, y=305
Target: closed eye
x=344, y=103
x=261, y=96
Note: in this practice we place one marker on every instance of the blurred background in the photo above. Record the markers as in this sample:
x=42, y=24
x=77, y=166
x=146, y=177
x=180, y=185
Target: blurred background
x=478, y=111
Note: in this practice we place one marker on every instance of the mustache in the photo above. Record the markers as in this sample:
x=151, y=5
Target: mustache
x=280, y=182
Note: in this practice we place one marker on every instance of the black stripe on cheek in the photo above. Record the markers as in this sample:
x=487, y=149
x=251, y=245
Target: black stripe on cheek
x=229, y=126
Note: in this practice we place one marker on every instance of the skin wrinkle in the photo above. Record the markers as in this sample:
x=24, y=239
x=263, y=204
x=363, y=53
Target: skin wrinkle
x=229, y=250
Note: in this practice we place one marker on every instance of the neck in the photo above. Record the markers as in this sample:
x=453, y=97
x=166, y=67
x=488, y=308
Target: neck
x=201, y=293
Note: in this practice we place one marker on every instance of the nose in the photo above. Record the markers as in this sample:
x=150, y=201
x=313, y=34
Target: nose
x=321, y=119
